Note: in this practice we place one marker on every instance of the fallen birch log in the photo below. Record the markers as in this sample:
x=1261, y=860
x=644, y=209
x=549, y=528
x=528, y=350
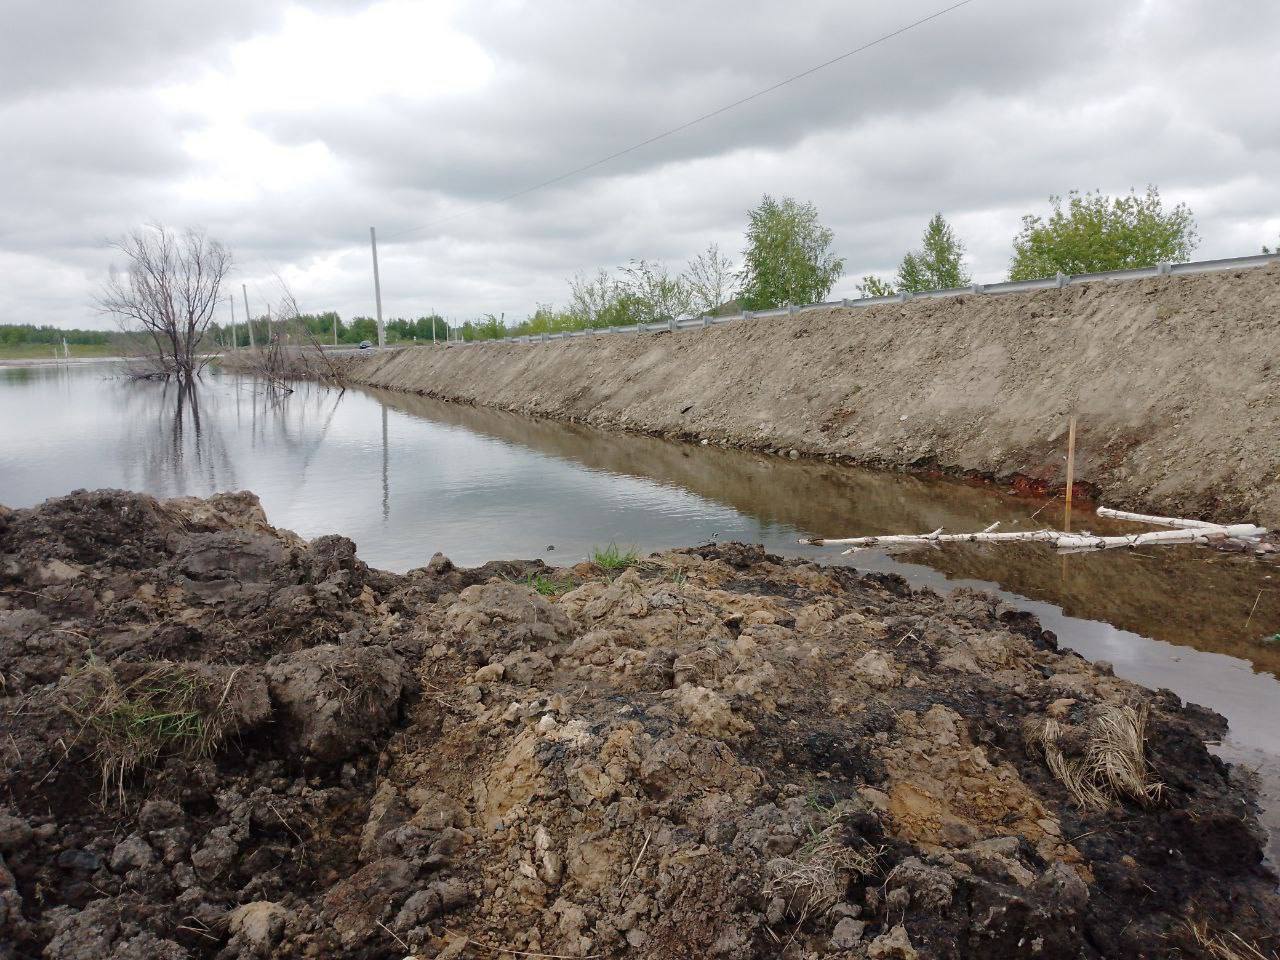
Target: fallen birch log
x=1065, y=542
x=1157, y=521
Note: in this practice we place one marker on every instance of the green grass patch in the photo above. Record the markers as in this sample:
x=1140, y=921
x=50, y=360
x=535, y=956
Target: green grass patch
x=45, y=351
x=131, y=725
x=613, y=559
x=547, y=586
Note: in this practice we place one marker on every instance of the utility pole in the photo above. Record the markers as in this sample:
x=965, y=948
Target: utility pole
x=248, y=317
x=235, y=343
x=335, y=329
x=377, y=287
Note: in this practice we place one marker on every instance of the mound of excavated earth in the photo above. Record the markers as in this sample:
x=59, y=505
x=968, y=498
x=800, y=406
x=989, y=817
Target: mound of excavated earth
x=219, y=740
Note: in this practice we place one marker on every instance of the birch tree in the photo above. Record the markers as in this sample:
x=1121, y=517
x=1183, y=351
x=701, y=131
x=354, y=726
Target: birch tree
x=938, y=264
x=789, y=256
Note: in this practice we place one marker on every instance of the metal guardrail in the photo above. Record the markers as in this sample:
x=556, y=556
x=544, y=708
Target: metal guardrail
x=1008, y=286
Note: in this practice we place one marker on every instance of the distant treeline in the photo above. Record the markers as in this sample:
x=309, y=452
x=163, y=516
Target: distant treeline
x=16, y=333
x=788, y=258
x=323, y=326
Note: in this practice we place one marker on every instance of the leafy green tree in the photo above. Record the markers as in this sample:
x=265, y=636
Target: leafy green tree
x=623, y=311
x=402, y=329
x=654, y=293
x=1095, y=232
x=361, y=328
x=938, y=264
x=789, y=256
x=873, y=286
x=490, y=328
x=591, y=299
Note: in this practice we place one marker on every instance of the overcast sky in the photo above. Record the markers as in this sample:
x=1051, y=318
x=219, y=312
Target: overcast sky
x=286, y=129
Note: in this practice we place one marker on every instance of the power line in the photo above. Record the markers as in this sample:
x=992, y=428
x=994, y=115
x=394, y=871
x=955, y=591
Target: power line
x=687, y=124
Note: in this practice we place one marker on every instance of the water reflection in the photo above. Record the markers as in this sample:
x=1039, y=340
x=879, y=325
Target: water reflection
x=386, y=469
x=406, y=476
x=1198, y=598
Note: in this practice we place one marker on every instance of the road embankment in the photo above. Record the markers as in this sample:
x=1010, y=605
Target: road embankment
x=1175, y=382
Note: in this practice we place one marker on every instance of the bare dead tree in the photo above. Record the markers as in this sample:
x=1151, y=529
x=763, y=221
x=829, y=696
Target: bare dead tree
x=293, y=352
x=169, y=292
x=315, y=364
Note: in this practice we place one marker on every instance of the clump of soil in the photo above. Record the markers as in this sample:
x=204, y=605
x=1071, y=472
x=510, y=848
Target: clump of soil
x=221, y=741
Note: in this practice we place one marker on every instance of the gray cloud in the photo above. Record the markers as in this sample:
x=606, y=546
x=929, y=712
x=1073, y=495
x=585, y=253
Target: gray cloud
x=139, y=111
x=51, y=45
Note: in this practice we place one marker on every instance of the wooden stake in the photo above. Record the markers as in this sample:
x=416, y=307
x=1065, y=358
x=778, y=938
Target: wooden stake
x=1071, y=472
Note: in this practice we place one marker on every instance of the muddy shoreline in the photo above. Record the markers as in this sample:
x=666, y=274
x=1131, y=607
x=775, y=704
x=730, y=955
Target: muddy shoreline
x=223, y=741
x=1171, y=379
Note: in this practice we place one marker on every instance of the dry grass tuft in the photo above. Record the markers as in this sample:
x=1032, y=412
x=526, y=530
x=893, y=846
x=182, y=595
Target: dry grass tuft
x=1109, y=764
x=1045, y=737
x=1117, y=754
x=167, y=710
x=812, y=881
x=1229, y=947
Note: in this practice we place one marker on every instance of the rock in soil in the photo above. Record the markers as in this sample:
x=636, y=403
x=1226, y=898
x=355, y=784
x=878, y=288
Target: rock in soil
x=222, y=741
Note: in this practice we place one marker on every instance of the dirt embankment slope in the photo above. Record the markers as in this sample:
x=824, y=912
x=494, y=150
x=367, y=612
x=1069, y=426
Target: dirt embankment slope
x=1176, y=382
x=221, y=741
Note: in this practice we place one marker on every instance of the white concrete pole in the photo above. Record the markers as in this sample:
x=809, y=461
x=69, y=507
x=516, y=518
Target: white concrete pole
x=377, y=287
x=235, y=344
x=248, y=317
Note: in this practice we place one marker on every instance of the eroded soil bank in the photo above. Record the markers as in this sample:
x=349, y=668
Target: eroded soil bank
x=222, y=741
x=1174, y=382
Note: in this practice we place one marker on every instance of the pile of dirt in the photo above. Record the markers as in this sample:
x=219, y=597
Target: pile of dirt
x=222, y=741
x=1173, y=381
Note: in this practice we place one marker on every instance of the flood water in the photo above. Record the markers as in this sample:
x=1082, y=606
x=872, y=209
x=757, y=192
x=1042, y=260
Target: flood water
x=405, y=476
